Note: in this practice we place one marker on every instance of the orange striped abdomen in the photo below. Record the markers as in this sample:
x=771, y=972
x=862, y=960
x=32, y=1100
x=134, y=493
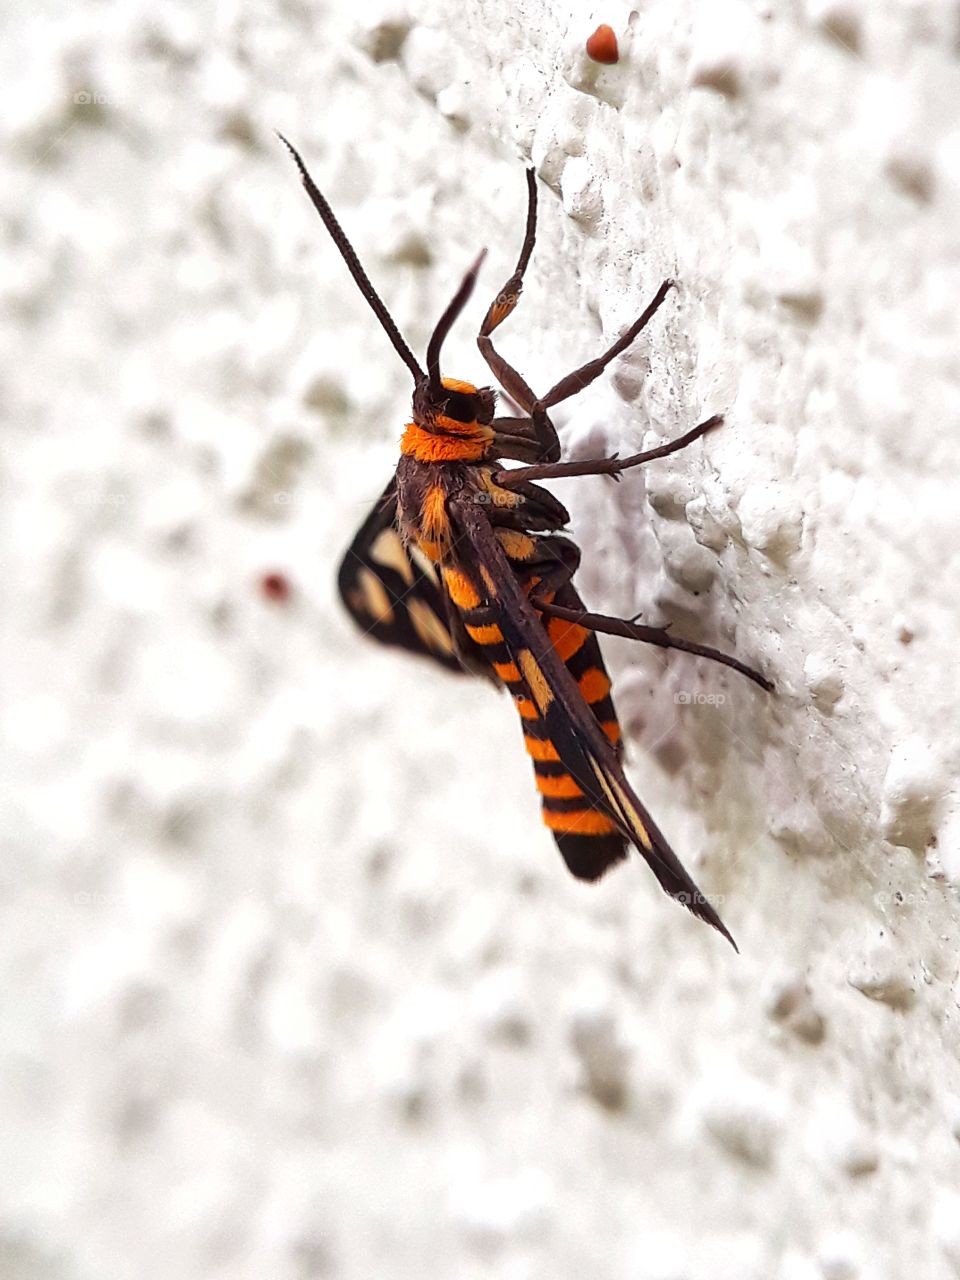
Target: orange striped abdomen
x=588, y=840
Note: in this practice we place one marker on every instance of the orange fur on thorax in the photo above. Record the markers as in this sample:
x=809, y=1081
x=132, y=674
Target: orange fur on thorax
x=433, y=518
x=466, y=443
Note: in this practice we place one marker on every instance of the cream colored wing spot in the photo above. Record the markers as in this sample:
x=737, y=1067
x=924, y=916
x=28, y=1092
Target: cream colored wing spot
x=422, y=561
x=621, y=804
x=536, y=680
x=388, y=550
x=429, y=627
x=376, y=602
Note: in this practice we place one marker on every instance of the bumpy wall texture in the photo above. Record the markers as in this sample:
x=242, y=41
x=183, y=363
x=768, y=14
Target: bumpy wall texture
x=293, y=981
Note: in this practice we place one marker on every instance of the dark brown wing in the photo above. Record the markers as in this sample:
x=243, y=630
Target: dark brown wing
x=554, y=710
x=393, y=594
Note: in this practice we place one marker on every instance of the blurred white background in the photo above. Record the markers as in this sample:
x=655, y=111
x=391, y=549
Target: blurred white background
x=294, y=983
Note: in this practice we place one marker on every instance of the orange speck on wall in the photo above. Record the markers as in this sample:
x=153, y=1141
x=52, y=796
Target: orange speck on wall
x=602, y=45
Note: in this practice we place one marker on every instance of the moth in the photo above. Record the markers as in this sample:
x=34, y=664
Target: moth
x=465, y=562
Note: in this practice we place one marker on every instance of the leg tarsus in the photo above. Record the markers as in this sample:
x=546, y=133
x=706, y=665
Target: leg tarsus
x=673, y=446
x=582, y=377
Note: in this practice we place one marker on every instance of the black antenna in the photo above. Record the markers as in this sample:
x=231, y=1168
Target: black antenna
x=353, y=262
x=444, y=324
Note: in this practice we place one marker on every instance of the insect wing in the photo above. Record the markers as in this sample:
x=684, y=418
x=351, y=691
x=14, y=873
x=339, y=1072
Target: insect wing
x=393, y=593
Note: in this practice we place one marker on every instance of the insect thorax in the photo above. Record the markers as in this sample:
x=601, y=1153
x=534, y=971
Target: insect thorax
x=452, y=425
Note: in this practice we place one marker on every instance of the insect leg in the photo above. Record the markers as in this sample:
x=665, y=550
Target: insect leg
x=659, y=636
x=582, y=377
x=558, y=562
x=525, y=439
x=543, y=433
x=508, y=296
x=612, y=466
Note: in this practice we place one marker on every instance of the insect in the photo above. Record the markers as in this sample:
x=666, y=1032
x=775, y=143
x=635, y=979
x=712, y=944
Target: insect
x=464, y=561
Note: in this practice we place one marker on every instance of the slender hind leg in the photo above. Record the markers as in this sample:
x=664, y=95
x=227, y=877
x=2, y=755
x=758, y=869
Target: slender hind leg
x=632, y=630
x=612, y=466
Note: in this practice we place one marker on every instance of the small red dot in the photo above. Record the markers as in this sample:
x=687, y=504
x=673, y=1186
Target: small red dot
x=276, y=587
x=602, y=45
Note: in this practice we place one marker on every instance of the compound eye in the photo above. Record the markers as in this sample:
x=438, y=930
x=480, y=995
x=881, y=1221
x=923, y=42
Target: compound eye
x=460, y=407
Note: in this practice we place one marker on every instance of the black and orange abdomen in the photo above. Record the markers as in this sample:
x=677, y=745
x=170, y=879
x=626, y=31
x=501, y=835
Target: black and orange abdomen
x=588, y=839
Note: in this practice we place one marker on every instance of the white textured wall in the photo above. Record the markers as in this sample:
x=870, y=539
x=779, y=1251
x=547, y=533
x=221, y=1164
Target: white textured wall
x=293, y=982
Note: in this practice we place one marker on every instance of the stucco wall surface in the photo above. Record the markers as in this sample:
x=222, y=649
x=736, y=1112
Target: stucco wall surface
x=292, y=981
